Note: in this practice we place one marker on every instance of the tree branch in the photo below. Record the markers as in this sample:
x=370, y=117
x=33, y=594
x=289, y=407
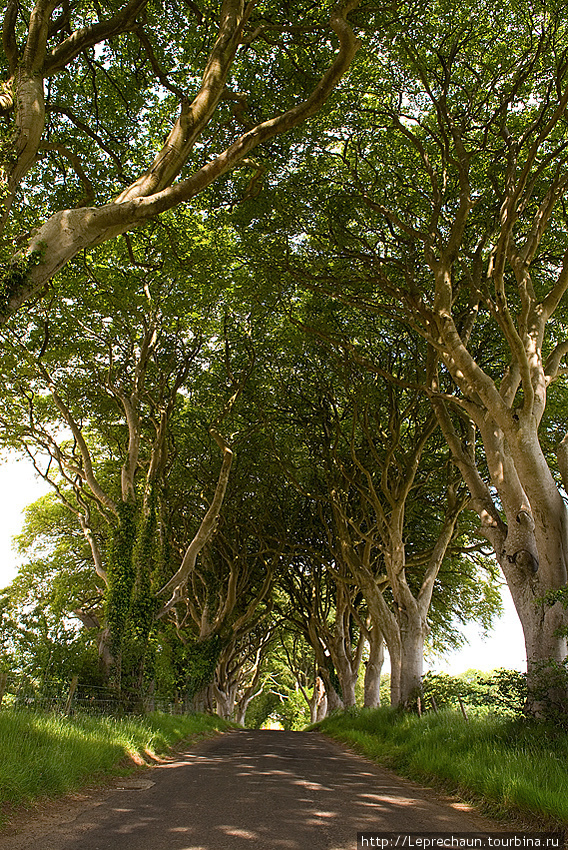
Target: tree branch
x=69, y=231
x=87, y=37
x=205, y=530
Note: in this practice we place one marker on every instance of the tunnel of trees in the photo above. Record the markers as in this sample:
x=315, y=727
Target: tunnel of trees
x=283, y=326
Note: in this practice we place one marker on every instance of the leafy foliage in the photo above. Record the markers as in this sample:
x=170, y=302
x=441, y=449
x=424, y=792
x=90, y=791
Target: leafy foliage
x=298, y=302
x=503, y=691
x=200, y=660
x=121, y=574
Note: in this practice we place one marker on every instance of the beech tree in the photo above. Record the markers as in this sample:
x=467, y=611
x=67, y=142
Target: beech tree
x=89, y=150
x=321, y=610
x=445, y=210
x=97, y=420
x=301, y=662
x=382, y=526
x=39, y=634
x=238, y=675
x=226, y=600
x=367, y=460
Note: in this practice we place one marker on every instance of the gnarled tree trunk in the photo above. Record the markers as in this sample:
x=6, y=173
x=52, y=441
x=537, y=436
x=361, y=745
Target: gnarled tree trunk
x=373, y=669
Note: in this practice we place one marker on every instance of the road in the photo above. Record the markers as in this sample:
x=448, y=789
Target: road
x=245, y=790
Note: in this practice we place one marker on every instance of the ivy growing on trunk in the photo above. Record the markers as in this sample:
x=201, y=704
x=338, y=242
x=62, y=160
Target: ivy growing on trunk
x=121, y=576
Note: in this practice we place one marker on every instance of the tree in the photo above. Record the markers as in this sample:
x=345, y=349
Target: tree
x=40, y=630
x=363, y=450
x=97, y=420
x=131, y=67
x=444, y=210
x=302, y=664
x=238, y=674
x=283, y=696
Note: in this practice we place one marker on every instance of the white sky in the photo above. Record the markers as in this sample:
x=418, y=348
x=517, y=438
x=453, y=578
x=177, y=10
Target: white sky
x=19, y=487
x=504, y=647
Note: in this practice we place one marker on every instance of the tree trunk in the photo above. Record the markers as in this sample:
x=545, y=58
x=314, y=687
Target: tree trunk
x=374, y=666
x=318, y=701
x=346, y=663
x=202, y=701
x=225, y=702
x=385, y=622
x=395, y=656
x=540, y=622
x=243, y=704
x=334, y=701
x=347, y=679
x=106, y=659
x=241, y=712
x=412, y=661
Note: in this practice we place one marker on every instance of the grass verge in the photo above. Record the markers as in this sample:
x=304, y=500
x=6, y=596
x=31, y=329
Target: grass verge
x=512, y=767
x=46, y=754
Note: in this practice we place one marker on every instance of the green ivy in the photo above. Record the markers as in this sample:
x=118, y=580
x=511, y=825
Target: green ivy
x=143, y=608
x=334, y=677
x=121, y=574
x=131, y=600
x=201, y=658
x=14, y=277
x=554, y=596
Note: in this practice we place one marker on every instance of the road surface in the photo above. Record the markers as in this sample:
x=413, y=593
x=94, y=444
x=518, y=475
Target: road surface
x=245, y=790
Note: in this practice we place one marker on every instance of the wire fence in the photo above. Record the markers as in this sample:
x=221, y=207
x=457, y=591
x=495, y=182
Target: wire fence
x=18, y=691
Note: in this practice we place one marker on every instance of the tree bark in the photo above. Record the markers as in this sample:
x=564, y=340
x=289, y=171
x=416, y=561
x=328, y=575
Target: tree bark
x=334, y=701
x=318, y=701
x=225, y=702
x=373, y=670
x=413, y=633
x=347, y=679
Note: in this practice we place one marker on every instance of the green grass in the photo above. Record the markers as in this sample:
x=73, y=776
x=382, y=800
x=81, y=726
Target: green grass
x=46, y=754
x=514, y=767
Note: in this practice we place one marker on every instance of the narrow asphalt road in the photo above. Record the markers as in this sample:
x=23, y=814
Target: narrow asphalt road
x=245, y=790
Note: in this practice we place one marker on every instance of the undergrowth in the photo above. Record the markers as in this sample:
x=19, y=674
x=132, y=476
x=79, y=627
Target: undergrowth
x=48, y=754
x=513, y=766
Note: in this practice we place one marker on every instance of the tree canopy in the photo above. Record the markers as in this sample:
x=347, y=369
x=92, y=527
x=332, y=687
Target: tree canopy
x=319, y=404
x=88, y=94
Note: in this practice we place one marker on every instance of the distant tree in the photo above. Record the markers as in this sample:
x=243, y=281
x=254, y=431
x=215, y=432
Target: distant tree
x=302, y=664
x=503, y=691
x=281, y=700
x=40, y=631
x=362, y=450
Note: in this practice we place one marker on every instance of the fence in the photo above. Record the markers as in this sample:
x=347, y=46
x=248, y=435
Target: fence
x=66, y=697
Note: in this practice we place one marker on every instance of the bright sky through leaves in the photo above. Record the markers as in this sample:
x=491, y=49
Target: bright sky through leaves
x=19, y=486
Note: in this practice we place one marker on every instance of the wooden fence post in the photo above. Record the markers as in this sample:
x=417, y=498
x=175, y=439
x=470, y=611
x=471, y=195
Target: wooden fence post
x=3, y=683
x=72, y=689
x=462, y=706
